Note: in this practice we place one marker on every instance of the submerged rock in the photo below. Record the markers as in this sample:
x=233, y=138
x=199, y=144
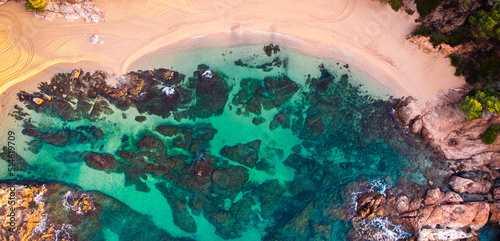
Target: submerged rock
x=99, y=161
x=246, y=154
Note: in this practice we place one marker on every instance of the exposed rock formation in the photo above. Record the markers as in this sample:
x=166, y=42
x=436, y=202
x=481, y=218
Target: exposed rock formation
x=72, y=10
x=434, y=214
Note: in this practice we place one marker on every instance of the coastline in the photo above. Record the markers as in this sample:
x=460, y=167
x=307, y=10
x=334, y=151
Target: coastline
x=368, y=35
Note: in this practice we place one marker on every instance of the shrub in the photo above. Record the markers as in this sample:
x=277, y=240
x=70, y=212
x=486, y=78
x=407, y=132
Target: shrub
x=471, y=108
x=437, y=38
x=425, y=7
x=423, y=31
x=490, y=135
x=458, y=62
x=486, y=24
x=37, y=6
x=395, y=4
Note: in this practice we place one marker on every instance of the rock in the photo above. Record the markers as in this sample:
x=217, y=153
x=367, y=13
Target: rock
x=246, y=154
x=230, y=179
x=456, y=216
x=495, y=214
x=496, y=189
x=140, y=118
x=258, y=120
x=462, y=182
x=99, y=161
x=72, y=10
x=402, y=204
x=452, y=197
x=271, y=48
x=432, y=234
x=150, y=142
x=96, y=39
x=433, y=196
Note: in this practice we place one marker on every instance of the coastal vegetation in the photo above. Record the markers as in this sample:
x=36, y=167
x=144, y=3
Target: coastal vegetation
x=490, y=135
x=37, y=6
x=484, y=99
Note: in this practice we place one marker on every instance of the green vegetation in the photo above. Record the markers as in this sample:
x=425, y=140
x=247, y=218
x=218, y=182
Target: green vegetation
x=486, y=24
x=395, y=4
x=422, y=31
x=471, y=108
x=490, y=135
x=425, y=7
x=37, y=6
x=485, y=99
x=458, y=62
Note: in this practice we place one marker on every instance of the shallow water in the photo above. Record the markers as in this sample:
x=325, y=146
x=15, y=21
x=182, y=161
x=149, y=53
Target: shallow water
x=334, y=128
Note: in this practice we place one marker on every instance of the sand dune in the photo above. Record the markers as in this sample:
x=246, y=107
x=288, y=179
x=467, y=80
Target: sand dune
x=364, y=33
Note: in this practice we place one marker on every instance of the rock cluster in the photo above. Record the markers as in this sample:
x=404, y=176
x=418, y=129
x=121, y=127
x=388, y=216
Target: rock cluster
x=72, y=10
x=54, y=211
x=473, y=197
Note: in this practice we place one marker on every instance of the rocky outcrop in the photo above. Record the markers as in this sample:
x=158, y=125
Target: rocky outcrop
x=438, y=213
x=440, y=122
x=72, y=10
x=431, y=214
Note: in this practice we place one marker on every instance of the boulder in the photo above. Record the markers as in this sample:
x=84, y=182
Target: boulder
x=471, y=182
x=456, y=216
x=433, y=196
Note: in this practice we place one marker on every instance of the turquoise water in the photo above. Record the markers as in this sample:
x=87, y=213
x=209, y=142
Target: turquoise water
x=333, y=127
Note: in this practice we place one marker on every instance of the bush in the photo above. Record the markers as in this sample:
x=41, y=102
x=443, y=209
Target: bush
x=437, y=38
x=458, y=62
x=483, y=99
x=471, y=108
x=425, y=7
x=37, y=6
x=395, y=4
x=486, y=24
x=423, y=31
x=490, y=135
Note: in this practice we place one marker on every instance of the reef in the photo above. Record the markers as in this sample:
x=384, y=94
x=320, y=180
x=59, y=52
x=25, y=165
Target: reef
x=338, y=130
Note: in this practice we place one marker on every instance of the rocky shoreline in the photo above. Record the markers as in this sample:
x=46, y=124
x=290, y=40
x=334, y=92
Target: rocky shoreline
x=470, y=196
x=70, y=10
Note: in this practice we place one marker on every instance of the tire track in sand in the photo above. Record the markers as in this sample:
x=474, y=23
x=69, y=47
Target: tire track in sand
x=16, y=51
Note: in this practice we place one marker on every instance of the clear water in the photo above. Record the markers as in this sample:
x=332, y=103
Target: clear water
x=360, y=141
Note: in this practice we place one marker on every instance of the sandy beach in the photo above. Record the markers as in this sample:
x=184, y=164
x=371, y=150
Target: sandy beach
x=363, y=33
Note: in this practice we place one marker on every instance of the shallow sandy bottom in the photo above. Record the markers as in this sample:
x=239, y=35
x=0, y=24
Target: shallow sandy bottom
x=363, y=33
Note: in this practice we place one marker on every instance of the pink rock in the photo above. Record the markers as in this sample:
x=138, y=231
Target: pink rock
x=433, y=196
x=474, y=215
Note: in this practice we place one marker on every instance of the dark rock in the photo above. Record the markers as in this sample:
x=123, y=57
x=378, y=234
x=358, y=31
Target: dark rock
x=140, y=118
x=230, y=179
x=271, y=48
x=150, y=142
x=258, y=120
x=35, y=146
x=246, y=154
x=99, y=161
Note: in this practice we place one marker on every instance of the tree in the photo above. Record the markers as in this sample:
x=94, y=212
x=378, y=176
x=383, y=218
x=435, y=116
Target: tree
x=486, y=24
